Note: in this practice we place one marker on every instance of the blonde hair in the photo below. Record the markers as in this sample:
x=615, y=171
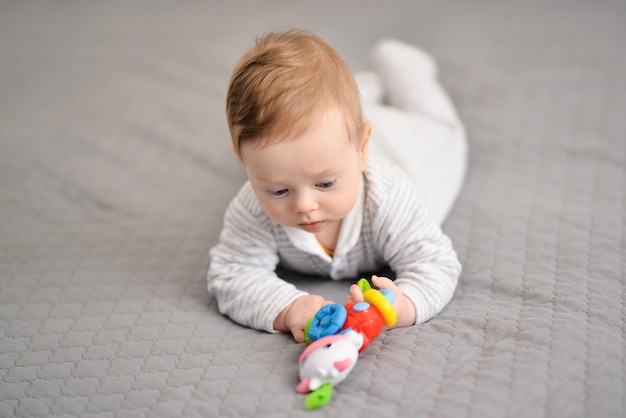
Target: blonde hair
x=284, y=82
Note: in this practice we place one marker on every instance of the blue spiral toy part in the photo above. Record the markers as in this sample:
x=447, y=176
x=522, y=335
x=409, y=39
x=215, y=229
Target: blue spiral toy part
x=327, y=321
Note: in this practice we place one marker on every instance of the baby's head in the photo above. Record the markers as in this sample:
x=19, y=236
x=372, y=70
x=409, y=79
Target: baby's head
x=296, y=123
x=286, y=81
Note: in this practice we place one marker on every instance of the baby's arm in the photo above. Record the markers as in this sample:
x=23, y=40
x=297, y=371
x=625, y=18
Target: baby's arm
x=242, y=274
x=425, y=263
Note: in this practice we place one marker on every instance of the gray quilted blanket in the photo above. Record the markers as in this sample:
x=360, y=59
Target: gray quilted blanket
x=115, y=171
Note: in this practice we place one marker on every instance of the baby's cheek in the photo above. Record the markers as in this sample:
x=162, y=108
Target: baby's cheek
x=275, y=212
x=343, y=204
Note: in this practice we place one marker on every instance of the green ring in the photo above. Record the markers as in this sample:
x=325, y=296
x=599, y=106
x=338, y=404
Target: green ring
x=307, y=339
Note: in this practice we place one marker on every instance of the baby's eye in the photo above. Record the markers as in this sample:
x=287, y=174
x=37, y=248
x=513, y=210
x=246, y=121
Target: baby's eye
x=326, y=184
x=278, y=193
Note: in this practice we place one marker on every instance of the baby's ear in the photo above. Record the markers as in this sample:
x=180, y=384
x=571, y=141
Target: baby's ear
x=237, y=154
x=234, y=135
x=366, y=133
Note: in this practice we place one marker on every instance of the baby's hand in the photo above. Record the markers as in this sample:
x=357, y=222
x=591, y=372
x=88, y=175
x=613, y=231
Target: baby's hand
x=295, y=316
x=405, y=310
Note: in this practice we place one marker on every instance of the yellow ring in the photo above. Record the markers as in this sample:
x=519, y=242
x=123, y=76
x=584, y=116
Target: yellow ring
x=381, y=303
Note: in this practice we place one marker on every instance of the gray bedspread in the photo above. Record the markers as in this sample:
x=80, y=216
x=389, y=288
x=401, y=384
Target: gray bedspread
x=115, y=171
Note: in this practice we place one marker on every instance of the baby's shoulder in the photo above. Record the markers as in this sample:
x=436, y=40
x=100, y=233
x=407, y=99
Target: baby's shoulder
x=385, y=181
x=246, y=203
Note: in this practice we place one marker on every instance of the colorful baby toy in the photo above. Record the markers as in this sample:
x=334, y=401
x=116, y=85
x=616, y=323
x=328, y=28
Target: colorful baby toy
x=337, y=334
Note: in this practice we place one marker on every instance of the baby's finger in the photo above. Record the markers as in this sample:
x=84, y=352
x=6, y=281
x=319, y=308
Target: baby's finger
x=356, y=294
x=384, y=283
x=298, y=335
x=387, y=283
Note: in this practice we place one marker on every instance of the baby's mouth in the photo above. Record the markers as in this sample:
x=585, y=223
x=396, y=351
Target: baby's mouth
x=311, y=226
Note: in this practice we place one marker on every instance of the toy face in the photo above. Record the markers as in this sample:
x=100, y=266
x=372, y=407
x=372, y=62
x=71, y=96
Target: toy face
x=328, y=360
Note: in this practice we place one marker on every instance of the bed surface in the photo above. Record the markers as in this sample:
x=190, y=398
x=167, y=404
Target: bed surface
x=115, y=171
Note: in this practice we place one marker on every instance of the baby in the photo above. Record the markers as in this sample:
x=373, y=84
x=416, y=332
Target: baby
x=331, y=193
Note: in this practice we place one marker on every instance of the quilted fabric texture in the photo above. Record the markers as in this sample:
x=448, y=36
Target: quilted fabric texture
x=115, y=171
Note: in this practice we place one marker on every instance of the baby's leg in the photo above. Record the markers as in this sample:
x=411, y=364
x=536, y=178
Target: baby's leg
x=408, y=77
x=435, y=159
x=420, y=130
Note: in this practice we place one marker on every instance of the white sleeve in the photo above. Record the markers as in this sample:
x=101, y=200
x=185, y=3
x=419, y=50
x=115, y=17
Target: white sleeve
x=242, y=271
x=426, y=266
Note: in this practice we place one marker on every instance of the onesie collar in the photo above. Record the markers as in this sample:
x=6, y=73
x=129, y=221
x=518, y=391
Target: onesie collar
x=348, y=235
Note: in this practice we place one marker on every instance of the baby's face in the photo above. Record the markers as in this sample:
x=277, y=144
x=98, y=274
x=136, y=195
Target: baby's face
x=312, y=181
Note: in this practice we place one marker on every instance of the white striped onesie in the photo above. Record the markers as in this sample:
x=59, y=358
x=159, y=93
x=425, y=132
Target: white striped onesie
x=389, y=225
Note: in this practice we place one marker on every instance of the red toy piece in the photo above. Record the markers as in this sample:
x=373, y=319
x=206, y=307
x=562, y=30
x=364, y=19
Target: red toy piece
x=366, y=318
